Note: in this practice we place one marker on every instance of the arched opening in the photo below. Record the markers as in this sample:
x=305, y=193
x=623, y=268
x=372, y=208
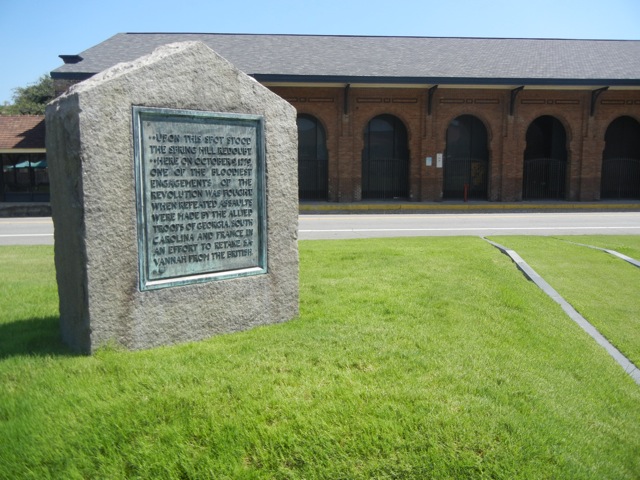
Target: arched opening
x=466, y=159
x=385, y=159
x=621, y=160
x=312, y=159
x=545, y=160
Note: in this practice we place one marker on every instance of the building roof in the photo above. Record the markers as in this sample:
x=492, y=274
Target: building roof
x=22, y=132
x=397, y=60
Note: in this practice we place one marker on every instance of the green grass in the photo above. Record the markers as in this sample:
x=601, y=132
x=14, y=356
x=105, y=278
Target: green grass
x=627, y=244
x=28, y=301
x=411, y=358
x=603, y=288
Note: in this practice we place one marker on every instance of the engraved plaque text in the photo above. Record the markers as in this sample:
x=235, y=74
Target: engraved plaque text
x=200, y=196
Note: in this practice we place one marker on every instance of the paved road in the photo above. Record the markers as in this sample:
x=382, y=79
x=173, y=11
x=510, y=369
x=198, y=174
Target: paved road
x=26, y=231
x=319, y=227
x=31, y=231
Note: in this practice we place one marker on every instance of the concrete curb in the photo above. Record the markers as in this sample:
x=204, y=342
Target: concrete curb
x=621, y=256
x=463, y=207
x=44, y=209
x=531, y=274
x=25, y=210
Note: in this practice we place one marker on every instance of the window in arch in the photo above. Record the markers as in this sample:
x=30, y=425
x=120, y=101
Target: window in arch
x=621, y=160
x=545, y=160
x=466, y=159
x=312, y=159
x=385, y=159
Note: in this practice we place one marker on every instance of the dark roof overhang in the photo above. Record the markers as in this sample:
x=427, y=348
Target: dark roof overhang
x=506, y=82
x=284, y=79
x=71, y=75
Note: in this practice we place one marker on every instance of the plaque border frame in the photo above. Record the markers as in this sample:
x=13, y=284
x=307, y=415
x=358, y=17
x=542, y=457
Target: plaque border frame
x=144, y=283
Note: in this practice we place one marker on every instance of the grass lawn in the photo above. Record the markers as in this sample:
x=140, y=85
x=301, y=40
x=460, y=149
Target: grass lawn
x=626, y=244
x=603, y=288
x=411, y=358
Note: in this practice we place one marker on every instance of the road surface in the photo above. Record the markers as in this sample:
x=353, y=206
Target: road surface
x=319, y=227
x=32, y=231
x=26, y=231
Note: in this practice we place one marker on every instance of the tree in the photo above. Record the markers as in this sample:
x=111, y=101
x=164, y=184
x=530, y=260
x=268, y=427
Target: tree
x=32, y=99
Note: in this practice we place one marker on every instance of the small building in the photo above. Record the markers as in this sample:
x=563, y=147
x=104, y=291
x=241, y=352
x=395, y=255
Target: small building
x=429, y=119
x=24, y=175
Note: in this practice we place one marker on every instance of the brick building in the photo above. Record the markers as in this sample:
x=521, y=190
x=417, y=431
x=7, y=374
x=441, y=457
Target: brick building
x=24, y=176
x=427, y=119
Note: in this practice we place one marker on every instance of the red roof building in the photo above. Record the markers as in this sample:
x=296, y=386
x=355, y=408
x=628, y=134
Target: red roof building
x=23, y=177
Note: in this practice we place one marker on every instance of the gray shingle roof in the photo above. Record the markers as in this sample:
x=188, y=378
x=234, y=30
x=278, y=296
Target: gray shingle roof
x=425, y=60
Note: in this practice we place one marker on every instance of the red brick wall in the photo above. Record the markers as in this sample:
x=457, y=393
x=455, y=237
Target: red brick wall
x=345, y=122
x=427, y=133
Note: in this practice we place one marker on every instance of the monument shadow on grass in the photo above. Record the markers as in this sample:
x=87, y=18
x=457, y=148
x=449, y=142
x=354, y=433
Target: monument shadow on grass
x=34, y=336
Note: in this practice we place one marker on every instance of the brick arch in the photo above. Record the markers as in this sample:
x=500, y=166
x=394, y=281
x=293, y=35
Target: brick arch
x=400, y=115
x=332, y=132
x=604, y=123
x=363, y=122
x=569, y=136
x=331, y=129
x=463, y=168
x=566, y=124
x=600, y=125
x=313, y=164
x=544, y=175
x=607, y=125
x=492, y=139
x=620, y=159
x=385, y=167
x=323, y=122
x=479, y=115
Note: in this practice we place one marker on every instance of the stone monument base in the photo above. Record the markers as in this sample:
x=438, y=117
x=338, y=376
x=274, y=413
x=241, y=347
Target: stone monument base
x=174, y=201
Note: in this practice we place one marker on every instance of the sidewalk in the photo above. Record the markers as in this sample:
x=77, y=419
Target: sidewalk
x=25, y=209
x=474, y=206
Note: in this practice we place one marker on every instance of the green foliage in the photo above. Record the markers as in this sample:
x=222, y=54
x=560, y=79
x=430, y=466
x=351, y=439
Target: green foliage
x=412, y=358
x=32, y=99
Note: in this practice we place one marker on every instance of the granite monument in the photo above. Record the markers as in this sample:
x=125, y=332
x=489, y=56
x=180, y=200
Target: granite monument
x=174, y=202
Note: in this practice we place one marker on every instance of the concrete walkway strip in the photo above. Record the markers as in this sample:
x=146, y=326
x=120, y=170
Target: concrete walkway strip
x=622, y=256
x=531, y=274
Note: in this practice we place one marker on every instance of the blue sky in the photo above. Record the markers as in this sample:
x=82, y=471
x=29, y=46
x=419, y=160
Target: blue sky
x=33, y=34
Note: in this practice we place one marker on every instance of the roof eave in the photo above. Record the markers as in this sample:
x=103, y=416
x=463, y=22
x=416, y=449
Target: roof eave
x=22, y=150
x=80, y=76
x=506, y=82
x=283, y=79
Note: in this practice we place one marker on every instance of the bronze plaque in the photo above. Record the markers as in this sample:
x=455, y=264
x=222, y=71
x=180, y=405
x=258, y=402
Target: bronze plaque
x=200, y=196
